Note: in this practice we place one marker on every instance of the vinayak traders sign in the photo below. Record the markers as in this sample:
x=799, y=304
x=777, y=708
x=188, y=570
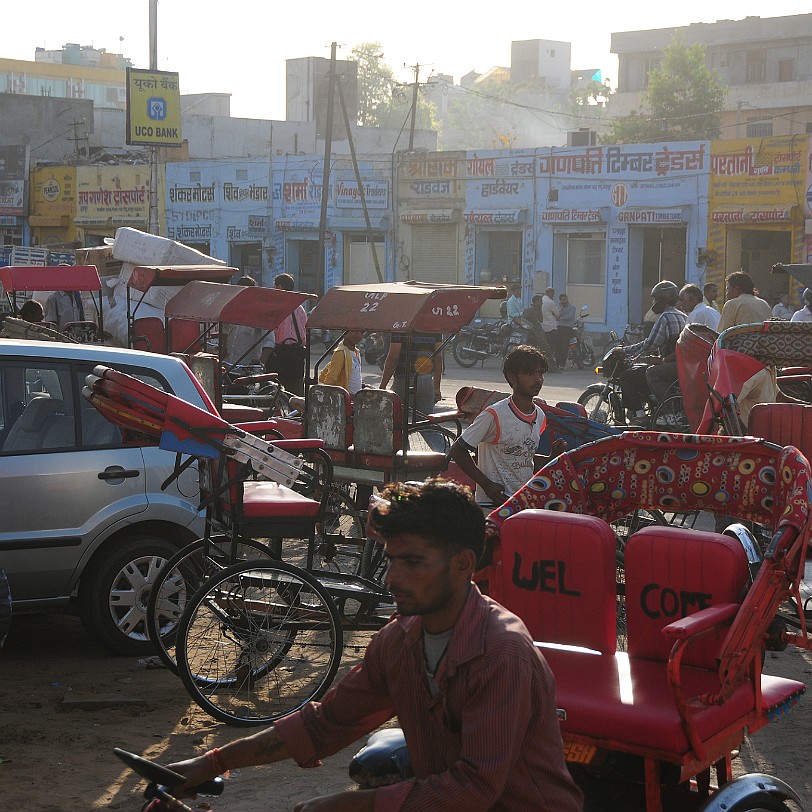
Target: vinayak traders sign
x=153, y=108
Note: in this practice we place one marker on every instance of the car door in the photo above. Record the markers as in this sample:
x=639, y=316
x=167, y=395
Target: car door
x=65, y=476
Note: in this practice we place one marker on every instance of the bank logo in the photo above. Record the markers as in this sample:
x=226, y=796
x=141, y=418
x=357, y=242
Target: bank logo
x=620, y=195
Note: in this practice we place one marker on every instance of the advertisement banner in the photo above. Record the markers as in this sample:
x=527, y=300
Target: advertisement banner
x=118, y=194
x=13, y=175
x=153, y=108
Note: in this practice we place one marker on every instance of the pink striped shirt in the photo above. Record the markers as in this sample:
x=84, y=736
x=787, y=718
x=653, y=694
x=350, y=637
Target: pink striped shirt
x=490, y=739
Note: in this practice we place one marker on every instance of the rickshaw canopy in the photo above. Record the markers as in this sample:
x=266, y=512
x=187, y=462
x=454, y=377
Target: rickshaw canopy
x=144, y=277
x=402, y=307
x=49, y=277
x=211, y=302
x=800, y=271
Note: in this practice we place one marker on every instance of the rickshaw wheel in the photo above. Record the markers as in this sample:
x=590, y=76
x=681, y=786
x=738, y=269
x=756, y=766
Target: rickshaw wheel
x=181, y=576
x=257, y=641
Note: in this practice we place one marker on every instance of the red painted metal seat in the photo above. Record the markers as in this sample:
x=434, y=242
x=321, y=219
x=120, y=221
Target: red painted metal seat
x=149, y=334
x=329, y=416
x=784, y=424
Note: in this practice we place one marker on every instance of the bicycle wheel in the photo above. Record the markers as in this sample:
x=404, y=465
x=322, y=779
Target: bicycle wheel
x=429, y=438
x=341, y=536
x=181, y=576
x=258, y=640
x=670, y=416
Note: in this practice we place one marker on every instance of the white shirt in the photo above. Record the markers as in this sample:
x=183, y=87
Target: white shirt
x=782, y=311
x=704, y=314
x=549, y=314
x=505, y=440
x=355, y=381
x=802, y=315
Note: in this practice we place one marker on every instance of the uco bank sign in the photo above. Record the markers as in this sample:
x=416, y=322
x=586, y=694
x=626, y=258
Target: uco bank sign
x=153, y=108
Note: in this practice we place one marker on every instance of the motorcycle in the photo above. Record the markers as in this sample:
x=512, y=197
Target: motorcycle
x=480, y=340
x=581, y=352
x=374, y=348
x=632, y=334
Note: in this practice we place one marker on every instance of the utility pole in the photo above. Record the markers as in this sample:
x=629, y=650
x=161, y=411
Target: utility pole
x=325, y=177
x=154, y=227
x=416, y=69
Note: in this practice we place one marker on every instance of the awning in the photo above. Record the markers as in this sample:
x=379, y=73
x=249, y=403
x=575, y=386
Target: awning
x=752, y=214
x=496, y=217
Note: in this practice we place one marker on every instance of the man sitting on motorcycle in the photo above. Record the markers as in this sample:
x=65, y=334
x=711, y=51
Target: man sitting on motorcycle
x=661, y=342
x=535, y=335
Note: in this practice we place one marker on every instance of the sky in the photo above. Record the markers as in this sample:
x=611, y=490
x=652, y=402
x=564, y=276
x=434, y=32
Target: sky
x=240, y=46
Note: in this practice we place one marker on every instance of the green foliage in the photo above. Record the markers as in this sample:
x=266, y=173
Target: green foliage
x=383, y=102
x=684, y=96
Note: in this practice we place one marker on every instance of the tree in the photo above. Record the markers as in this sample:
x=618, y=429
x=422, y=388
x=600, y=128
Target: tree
x=684, y=96
x=383, y=102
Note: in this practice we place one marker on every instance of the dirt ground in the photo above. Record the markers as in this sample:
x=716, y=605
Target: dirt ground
x=59, y=759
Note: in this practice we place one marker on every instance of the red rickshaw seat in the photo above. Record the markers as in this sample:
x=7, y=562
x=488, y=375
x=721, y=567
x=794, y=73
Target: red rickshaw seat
x=268, y=500
x=149, y=335
x=784, y=424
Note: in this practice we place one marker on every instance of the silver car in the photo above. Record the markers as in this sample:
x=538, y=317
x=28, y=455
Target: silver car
x=84, y=523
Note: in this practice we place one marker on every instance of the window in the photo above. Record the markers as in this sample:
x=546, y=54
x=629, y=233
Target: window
x=726, y=60
x=756, y=67
x=759, y=128
x=586, y=259
x=786, y=70
x=648, y=66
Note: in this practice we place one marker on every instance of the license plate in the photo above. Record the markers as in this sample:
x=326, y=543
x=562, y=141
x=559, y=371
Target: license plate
x=578, y=753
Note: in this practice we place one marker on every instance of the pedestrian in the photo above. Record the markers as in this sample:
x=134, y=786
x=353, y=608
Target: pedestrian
x=423, y=378
x=473, y=694
x=63, y=307
x=693, y=305
x=31, y=311
x=514, y=303
x=805, y=313
x=784, y=309
x=550, y=313
x=245, y=345
x=535, y=335
x=742, y=306
x=344, y=367
x=711, y=294
x=566, y=327
x=288, y=357
x=505, y=436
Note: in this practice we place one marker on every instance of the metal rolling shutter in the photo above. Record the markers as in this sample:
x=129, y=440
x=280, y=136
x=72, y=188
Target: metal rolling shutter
x=434, y=253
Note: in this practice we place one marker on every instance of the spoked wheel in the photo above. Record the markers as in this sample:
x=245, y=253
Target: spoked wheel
x=435, y=438
x=257, y=641
x=181, y=576
x=341, y=536
x=670, y=416
x=597, y=406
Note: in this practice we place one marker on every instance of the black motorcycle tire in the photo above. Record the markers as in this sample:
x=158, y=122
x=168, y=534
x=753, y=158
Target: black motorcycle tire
x=590, y=398
x=578, y=355
x=464, y=359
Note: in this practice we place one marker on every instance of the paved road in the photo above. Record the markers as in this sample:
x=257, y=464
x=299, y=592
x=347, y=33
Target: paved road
x=557, y=386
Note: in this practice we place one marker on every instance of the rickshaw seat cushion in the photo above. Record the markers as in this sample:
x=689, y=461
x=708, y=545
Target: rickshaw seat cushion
x=560, y=577
x=784, y=424
x=235, y=413
x=329, y=416
x=149, y=334
x=673, y=572
x=433, y=461
x=628, y=699
x=268, y=500
x=471, y=400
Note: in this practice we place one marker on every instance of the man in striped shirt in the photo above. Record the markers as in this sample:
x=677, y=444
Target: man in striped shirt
x=661, y=342
x=474, y=696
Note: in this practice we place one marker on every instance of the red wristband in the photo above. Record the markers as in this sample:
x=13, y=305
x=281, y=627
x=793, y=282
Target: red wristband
x=216, y=760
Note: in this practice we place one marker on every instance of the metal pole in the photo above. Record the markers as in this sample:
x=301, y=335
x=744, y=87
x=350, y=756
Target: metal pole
x=325, y=182
x=154, y=227
x=414, y=107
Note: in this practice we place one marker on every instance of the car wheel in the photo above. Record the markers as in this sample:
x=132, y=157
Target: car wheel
x=114, y=593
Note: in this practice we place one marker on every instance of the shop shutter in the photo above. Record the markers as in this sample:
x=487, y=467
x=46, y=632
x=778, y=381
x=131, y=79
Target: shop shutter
x=434, y=254
x=360, y=269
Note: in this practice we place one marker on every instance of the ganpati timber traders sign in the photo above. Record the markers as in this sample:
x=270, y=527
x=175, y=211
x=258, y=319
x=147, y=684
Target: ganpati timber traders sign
x=153, y=108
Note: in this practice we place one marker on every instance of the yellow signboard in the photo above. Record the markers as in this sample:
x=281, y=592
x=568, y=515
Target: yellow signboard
x=153, y=108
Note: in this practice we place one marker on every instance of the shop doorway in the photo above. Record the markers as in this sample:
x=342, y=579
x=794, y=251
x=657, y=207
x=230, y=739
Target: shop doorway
x=247, y=256
x=664, y=252
x=302, y=263
x=755, y=251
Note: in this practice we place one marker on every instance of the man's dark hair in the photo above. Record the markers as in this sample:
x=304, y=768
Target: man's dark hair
x=247, y=281
x=440, y=511
x=32, y=311
x=283, y=281
x=708, y=286
x=693, y=291
x=741, y=280
x=537, y=299
x=524, y=359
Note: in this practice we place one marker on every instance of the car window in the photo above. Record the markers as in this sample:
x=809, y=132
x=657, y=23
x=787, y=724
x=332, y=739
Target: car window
x=42, y=408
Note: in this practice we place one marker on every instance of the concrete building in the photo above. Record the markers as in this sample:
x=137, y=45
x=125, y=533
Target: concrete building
x=765, y=62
